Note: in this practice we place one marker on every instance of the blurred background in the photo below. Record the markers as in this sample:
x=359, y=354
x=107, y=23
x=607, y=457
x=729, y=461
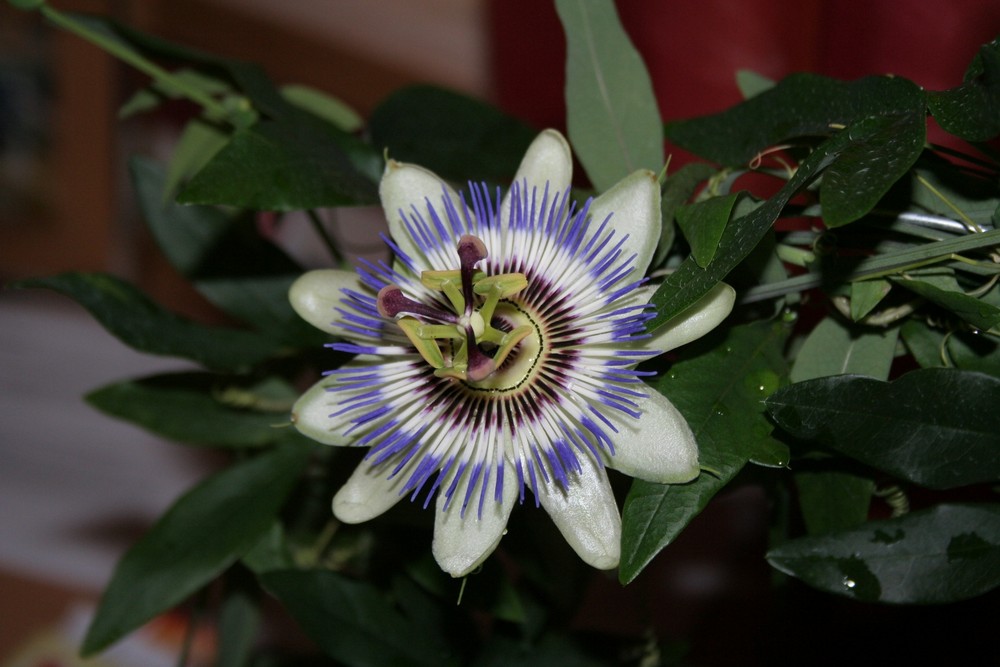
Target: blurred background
x=75, y=487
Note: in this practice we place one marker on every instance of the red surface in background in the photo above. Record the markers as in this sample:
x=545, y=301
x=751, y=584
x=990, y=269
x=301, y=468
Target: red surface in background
x=693, y=48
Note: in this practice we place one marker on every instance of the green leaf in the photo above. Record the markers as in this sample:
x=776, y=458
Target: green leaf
x=204, y=532
x=702, y=224
x=272, y=552
x=295, y=162
x=197, y=145
x=801, y=105
x=137, y=321
x=611, y=112
x=352, y=621
x=149, y=98
x=751, y=83
x=934, y=427
x=944, y=554
x=457, y=137
x=866, y=294
x=719, y=392
x=549, y=649
x=833, y=348
x=201, y=409
x=204, y=241
x=689, y=282
x=976, y=312
x=865, y=171
x=972, y=110
x=962, y=349
x=831, y=500
x=679, y=188
x=225, y=258
x=239, y=621
x=321, y=105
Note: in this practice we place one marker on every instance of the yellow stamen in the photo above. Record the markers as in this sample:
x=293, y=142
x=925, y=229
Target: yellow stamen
x=427, y=347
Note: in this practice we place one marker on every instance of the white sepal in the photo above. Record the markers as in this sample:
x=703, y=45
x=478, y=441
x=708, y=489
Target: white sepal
x=659, y=447
x=366, y=495
x=316, y=295
x=461, y=544
x=586, y=514
x=634, y=206
x=699, y=318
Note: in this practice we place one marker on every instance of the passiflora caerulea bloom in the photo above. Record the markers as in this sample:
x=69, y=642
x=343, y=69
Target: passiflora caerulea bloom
x=496, y=357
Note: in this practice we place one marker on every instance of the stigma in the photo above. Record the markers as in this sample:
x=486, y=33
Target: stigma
x=471, y=338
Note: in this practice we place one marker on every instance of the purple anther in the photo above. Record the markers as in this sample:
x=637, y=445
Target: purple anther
x=391, y=302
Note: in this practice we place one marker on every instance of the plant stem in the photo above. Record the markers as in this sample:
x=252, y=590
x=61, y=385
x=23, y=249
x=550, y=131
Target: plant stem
x=331, y=245
x=884, y=265
x=120, y=50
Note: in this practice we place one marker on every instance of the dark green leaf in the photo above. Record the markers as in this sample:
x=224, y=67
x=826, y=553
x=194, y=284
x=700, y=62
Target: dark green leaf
x=239, y=620
x=204, y=241
x=137, y=321
x=972, y=110
x=198, y=143
x=960, y=348
x=549, y=650
x=944, y=554
x=611, y=112
x=272, y=552
x=831, y=500
x=226, y=259
x=801, y=105
x=201, y=409
x=295, y=162
x=352, y=621
x=679, y=187
x=690, y=282
x=975, y=311
x=938, y=188
x=702, y=224
x=197, y=539
x=720, y=394
x=457, y=137
x=934, y=427
x=866, y=170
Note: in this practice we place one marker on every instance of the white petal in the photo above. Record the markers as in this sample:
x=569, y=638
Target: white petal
x=366, y=494
x=634, y=202
x=586, y=514
x=547, y=160
x=700, y=318
x=316, y=295
x=311, y=416
x=461, y=544
x=404, y=186
x=657, y=447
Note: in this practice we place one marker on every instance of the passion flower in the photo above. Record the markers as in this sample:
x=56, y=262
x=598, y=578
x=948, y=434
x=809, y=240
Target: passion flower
x=496, y=357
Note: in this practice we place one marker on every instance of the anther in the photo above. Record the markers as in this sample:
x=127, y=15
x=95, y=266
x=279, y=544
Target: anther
x=391, y=302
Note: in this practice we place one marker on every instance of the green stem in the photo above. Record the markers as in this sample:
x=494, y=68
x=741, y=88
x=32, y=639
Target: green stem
x=947, y=202
x=131, y=57
x=201, y=602
x=328, y=241
x=884, y=265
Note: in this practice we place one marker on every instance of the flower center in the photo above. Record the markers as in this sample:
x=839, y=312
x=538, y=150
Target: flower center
x=482, y=329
